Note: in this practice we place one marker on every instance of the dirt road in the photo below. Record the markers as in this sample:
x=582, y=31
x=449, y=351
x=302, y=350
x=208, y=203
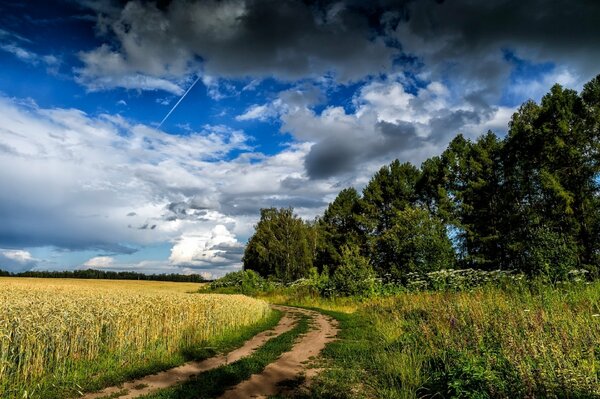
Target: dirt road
x=291, y=364
x=288, y=367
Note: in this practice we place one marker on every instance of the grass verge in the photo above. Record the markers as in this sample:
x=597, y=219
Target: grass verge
x=213, y=383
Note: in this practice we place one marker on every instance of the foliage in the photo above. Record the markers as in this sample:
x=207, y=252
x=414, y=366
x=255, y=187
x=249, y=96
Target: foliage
x=281, y=246
x=246, y=282
x=339, y=226
x=417, y=241
x=355, y=276
x=463, y=279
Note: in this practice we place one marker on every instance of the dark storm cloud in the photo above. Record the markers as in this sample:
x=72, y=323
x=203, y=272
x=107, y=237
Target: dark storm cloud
x=289, y=40
x=468, y=38
x=336, y=155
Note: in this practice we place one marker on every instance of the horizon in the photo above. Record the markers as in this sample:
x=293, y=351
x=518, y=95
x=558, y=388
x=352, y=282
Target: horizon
x=146, y=138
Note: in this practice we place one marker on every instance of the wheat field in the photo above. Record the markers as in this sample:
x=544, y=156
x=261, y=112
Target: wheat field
x=53, y=331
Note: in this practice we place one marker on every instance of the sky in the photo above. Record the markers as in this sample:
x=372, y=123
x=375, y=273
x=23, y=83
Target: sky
x=146, y=136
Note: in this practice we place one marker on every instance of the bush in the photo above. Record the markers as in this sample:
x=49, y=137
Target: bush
x=355, y=276
x=247, y=282
x=551, y=255
x=417, y=241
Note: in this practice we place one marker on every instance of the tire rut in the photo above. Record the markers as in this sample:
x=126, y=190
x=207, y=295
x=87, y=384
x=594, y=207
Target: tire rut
x=176, y=375
x=291, y=364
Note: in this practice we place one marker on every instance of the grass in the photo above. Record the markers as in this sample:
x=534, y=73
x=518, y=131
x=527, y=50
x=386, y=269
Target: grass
x=62, y=337
x=538, y=341
x=213, y=383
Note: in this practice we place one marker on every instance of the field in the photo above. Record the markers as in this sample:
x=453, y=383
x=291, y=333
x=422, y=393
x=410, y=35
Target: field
x=532, y=342
x=58, y=337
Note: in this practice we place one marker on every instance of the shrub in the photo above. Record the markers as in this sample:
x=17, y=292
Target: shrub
x=355, y=276
x=245, y=281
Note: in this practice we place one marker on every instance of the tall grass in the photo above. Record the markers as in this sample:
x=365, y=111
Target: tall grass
x=532, y=342
x=543, y=342
x=56, y=331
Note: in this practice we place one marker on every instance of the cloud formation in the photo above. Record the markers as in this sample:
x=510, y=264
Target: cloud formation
x=288, y=40
x=78, y=182
x=16, y=260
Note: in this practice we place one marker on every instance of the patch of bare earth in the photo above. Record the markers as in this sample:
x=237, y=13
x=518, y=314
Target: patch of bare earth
x=291, y=365
x=171, y=377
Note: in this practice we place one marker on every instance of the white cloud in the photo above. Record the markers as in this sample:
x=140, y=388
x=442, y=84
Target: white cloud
x=20, y=52
x=535, y=87
x=207, y=249
x=100, y=262
x=51, y=62
x=75, y=181
x=16, y=260
x=261, y=112
x=386, y=122
x=18, y=255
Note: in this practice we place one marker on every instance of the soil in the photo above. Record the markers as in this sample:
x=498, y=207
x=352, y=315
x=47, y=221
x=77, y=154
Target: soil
x=290, y=365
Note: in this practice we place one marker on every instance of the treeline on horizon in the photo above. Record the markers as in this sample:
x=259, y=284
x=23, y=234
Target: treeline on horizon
x=92, y=274
x=528, y=203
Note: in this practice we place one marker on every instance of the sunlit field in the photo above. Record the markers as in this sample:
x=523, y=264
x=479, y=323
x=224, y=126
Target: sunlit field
x=54, y=334
x=531, y=342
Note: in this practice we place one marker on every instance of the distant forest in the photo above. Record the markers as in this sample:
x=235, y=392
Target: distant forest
x=528, y=202
x=108, y=275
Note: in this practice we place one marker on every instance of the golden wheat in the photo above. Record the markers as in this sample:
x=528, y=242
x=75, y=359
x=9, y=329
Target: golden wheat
x=47, y=326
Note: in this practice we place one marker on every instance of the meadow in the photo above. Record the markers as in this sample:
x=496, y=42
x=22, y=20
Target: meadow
x=61, y=337
x=528, y=341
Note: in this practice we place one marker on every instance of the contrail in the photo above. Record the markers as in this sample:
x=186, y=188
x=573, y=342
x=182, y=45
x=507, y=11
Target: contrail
x=182, y=97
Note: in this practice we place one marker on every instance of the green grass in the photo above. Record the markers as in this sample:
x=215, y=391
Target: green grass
x=108, y=371
x=214, y=382
x=539, y=341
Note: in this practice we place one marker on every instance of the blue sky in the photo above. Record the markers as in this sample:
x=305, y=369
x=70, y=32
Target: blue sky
x=293, y=102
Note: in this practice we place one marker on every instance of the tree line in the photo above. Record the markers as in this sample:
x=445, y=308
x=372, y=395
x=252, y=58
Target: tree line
x=107, y=275
x=528, y=202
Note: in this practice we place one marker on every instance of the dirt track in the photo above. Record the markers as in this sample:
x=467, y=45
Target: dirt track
x=288, y=367
x=291, y=364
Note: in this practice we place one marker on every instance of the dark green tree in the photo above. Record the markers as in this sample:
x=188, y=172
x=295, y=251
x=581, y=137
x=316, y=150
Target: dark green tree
x=354, y=276
x=339, y=226
x=463, y=188
x=281, y=246
x=551, y=172
x=417, y=241
x=390, y=190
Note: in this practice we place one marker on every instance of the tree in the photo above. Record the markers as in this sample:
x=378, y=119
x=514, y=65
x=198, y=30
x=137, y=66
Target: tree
x=354, y=276
x=280, y=246
x=551, y=172
x=339, y=226
x=463, y=188
x=417, y=241
x=390, y=190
